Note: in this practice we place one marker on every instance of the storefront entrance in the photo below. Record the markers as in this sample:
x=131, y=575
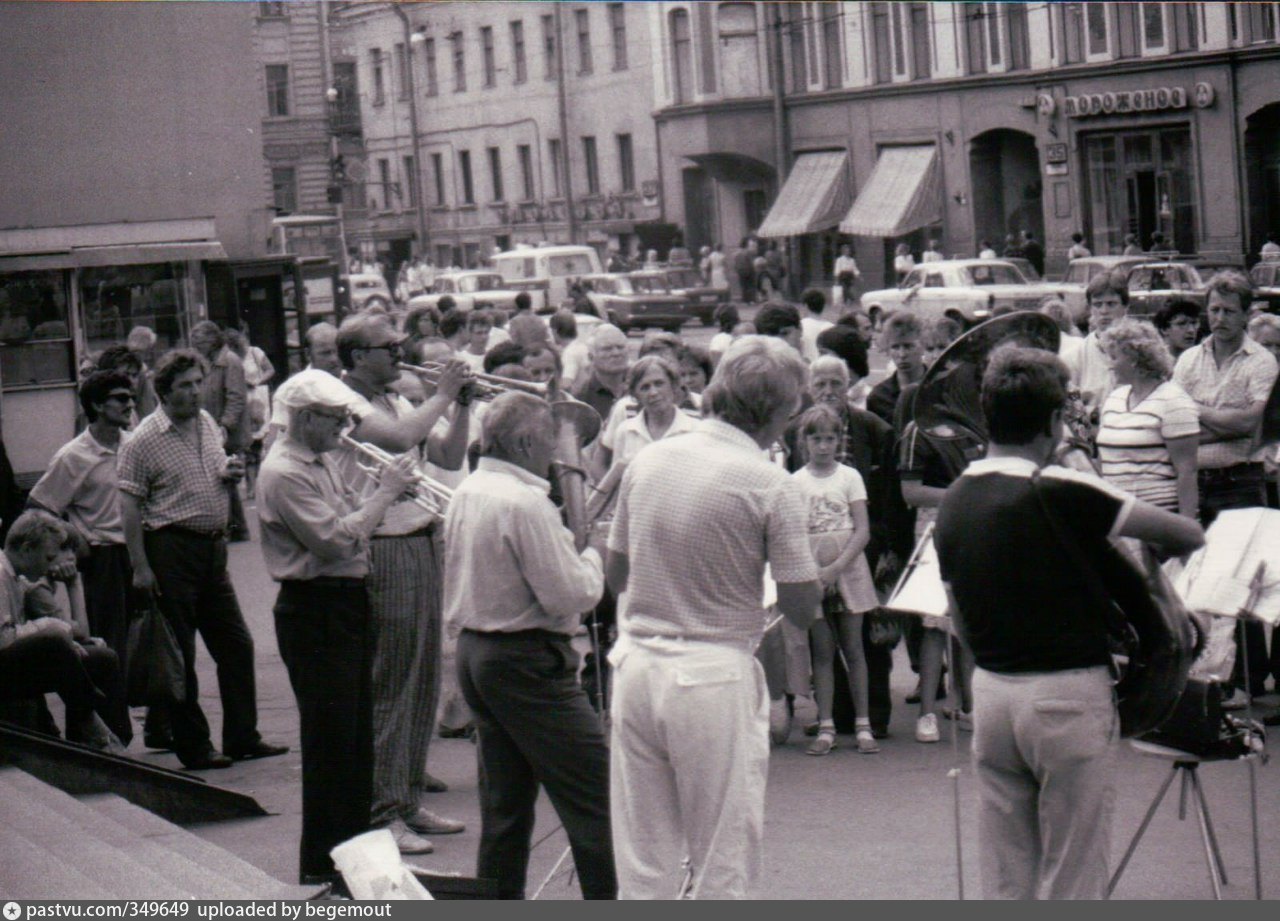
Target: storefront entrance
x=1262, y=163
x=1140, y=183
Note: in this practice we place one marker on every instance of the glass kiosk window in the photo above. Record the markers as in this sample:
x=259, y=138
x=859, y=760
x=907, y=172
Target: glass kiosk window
x=35, y=331
x=114, y=299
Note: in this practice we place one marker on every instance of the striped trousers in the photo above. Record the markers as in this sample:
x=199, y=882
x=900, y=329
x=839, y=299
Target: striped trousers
x=405, y=606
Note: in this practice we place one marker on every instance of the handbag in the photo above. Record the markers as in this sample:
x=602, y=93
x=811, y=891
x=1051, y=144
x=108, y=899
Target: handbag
x=156, y=673
x=1151, y=637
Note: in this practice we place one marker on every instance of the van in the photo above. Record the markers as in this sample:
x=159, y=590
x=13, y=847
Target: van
x=545, y=272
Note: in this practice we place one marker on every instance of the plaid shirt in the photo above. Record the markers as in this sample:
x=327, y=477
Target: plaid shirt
x=1245, y=378
x=177, y=480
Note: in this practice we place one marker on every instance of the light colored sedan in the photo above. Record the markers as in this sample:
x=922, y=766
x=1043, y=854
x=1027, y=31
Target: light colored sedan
x=967, y=290
x=469, y=290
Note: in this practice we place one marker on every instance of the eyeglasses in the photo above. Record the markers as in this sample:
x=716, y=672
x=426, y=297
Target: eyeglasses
x=392, y=348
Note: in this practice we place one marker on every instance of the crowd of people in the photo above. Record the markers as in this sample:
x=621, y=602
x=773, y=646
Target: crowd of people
x=766, y=448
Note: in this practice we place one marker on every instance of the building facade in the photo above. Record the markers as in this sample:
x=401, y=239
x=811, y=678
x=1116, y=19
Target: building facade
x=534, y=123
x=967, y=122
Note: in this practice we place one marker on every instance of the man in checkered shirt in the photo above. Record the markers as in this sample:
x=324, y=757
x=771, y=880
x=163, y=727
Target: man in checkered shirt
x=173, y=498
x=698, y=518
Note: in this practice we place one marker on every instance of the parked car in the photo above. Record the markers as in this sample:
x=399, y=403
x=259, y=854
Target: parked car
x=544, y=271
x=1153, y=284
x=1082, y=271
x=1266, y=283
x=967, y=290
x=688, y=283
x=367, y=289
x=630, y=302
x=469, y=290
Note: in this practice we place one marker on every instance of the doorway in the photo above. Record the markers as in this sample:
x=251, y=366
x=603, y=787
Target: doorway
x=1004, y=172
x=1139, y=183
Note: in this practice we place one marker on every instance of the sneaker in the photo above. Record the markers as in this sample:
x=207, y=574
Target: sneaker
x=1237, y=701
x=409, y=841
x=867, y=742
x=927, y=728
x=824, y=743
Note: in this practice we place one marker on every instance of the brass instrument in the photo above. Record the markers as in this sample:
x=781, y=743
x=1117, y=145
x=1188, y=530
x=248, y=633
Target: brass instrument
x=485, y=386
x=576, y=425
x=428, y=494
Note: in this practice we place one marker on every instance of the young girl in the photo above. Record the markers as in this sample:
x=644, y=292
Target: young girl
x=838, y=535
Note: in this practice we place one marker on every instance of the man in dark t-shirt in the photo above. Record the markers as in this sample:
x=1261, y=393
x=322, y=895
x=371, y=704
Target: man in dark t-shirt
x=1045, y=723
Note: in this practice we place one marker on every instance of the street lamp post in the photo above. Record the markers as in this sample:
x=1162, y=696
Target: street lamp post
x=411, y=39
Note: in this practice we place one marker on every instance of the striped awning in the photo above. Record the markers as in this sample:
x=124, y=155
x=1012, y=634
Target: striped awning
x=903, y=194
x=813, y=197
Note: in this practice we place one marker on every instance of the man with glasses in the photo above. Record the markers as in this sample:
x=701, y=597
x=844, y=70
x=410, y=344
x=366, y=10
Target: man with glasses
x=315, y=540
x=81, y=486
x=404, y=579
x=1090, y=366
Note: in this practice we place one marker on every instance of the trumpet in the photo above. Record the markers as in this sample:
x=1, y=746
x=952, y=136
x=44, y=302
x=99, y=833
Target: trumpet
x=428, y=494
x=485, y=386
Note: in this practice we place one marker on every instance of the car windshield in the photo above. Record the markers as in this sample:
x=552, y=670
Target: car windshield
x=649, y=283
x=995, y=273
x=1078, y=273
x=684, y=278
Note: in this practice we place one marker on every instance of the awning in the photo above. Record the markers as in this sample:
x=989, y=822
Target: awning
x=903, y=194
x=813, y=197
x=141, y=253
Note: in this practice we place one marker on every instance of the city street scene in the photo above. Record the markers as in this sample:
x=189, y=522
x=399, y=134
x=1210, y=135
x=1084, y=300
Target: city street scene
x=641, y=450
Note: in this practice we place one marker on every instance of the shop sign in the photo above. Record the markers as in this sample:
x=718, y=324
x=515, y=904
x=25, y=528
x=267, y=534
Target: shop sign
x=1149, y=100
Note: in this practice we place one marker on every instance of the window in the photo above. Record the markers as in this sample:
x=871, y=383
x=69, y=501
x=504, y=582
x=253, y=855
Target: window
x=274, y=9
x=486, y=46
x=975, y=37
x=1260, y=21
x=379, y=81
x=806, y=13
x=35, y=329
x=495, y=173
x=437, y=173
x=284, y=189
x=1153, y=25
x=468, y=186
x=583, y=22
x=1128, y=27
x=706, y=54
x=1071, y=27
x=795, y=43
x=832, y=59
x=411, y=182
x=384, y=181
x=277, y=90
x=993, y=31
x=591, y=165
x=1185, y=21
x=429, y=52
x=402, y=71
x=921, y=54
x=681, y=57
x=556, y=154
x=459, y=63
x=739, y=50
x=895, y=24
x=618, y=30
x=526, y=170
x=1096, y=20
x=549, y=47
x=345, y=112
x=882, y=55
x=1019, y=36
x=517, y=51
x=626, y=163
x=116, y=298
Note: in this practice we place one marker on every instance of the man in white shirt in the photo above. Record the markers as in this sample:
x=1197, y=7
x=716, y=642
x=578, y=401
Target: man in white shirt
x=847, y=274
x=1090, y=366
x=811, y=323
x=932, y=254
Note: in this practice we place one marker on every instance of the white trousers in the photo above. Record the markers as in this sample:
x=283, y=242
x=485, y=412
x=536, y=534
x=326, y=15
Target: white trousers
x=688, y=764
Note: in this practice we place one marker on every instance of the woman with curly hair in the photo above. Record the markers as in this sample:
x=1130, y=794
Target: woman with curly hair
x=1150, y=427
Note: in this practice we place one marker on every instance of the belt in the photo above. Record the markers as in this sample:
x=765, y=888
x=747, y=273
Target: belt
x=426, y=531
x=532, y=633
x=191, y=532
x=326, y=582
x=1227, y=473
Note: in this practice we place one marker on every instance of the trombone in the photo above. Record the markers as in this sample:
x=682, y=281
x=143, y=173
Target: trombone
x=485, y=386
x=427, y=493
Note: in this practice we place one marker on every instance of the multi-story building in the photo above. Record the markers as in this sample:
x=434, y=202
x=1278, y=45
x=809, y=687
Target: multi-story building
x=533, y=123
x=969, y=121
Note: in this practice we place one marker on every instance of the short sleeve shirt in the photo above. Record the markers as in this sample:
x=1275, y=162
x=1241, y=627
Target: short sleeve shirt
x=176, y=478
x=698, y=517
x=829, y=498
x=1245, y=378
x=81, y=483
x=1132, y=443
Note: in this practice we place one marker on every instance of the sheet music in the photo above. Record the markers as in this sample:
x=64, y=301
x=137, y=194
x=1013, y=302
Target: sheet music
x=1218, y=578
x=922, y=593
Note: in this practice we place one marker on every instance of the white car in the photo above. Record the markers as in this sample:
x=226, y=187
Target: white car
x=469, y=290
x=967, y=290
x=367, y=289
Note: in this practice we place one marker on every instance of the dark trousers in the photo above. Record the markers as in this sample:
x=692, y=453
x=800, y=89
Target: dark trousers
x=322, y=629
x=195, y=593
x=87, y=678
x=108, y=580
x=1241, y=486
x=534, y=726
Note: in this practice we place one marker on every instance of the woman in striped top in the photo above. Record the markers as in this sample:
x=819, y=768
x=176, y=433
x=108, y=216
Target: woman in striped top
x=1150, y=427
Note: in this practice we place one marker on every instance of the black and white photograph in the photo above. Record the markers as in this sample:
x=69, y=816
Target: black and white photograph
x=659, y=449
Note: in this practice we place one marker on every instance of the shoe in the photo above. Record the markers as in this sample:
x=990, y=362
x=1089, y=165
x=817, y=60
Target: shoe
x=1237, y=701
x=408, y=841
x=824, y=743
x=425, y=822
x=927, y=728
x=259, y=749
x=867, y=742
x=158, y=741
x=880, y=732
x=433, y=784
x=461, y=732
x=209, y=761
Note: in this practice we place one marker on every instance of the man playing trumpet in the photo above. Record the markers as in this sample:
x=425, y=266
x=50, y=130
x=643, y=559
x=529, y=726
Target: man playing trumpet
x=404, y=579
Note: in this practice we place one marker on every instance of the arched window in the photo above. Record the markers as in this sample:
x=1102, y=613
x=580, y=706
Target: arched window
x=739, y=49
x=681, y=57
